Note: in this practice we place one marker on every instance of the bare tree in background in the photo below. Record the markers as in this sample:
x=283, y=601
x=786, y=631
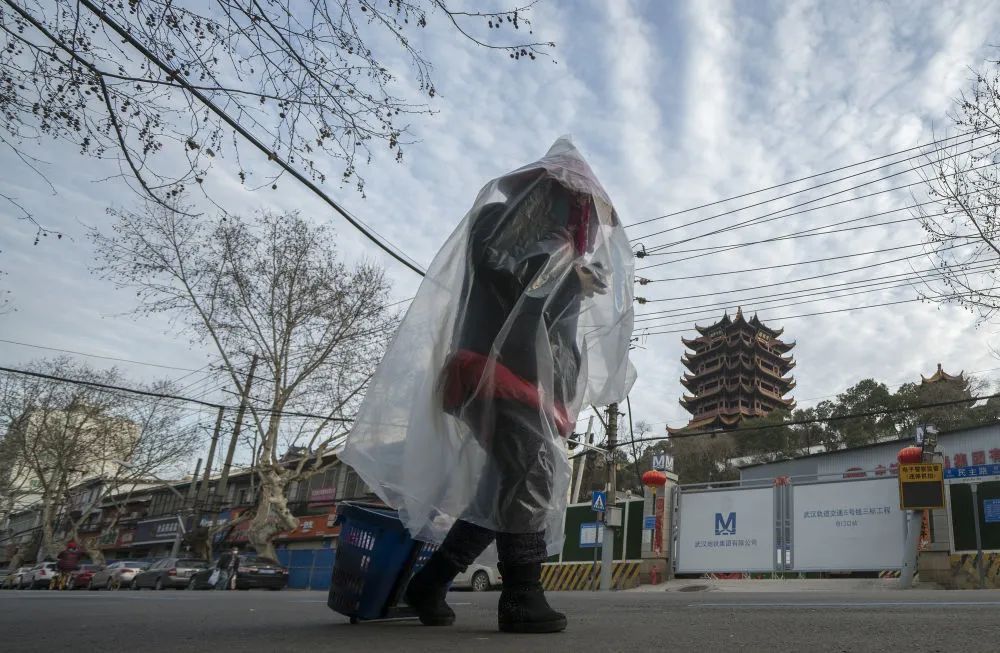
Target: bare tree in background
x=159, y=86
x=60, y=434
x=270, y=286
x=963, y=224
x=160, y=445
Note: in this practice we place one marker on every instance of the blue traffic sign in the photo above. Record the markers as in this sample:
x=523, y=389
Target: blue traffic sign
x=972, y=472
x=991, y=511
x=591, y=535
x=599, y=501
x=649, y=522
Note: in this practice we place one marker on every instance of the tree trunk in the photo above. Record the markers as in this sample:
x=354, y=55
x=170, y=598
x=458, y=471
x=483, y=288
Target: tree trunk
x=49, y=548
x=92, y=545
x=273, y=515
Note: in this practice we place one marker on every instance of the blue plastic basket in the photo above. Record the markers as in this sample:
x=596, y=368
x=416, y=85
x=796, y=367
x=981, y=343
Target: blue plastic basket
x=375, y=559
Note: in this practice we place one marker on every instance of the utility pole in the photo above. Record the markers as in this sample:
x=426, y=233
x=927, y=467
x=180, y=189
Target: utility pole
x=587, y=439
x=202, y=496
x=189, y=501
x=244, y=395
x=611, y=515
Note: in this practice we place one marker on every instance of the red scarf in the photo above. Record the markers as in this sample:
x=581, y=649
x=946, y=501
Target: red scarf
x=466, y=379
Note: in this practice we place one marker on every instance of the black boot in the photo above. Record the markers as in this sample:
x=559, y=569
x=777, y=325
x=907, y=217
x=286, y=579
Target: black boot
x=428, y=588
x=523, y=608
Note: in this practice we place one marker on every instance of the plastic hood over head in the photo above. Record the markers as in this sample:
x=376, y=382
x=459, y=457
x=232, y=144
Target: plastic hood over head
x=524, y=317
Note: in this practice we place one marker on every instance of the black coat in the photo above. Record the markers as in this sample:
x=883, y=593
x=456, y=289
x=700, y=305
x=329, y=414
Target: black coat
x=509, y=244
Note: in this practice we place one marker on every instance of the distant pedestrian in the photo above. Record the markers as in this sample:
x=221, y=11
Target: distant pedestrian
x=227, y=566
x=69, y=561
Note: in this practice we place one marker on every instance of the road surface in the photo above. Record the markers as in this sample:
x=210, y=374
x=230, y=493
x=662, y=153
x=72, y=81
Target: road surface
x=653, y=621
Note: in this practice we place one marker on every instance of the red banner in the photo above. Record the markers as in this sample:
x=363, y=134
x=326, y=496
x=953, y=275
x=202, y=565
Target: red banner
x=312, y=527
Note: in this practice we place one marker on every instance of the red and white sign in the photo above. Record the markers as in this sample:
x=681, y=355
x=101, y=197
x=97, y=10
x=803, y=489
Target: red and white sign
x=323, y=495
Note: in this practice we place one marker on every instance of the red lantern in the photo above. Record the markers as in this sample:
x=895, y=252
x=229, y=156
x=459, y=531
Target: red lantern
x=910, y=455
x=654, y=478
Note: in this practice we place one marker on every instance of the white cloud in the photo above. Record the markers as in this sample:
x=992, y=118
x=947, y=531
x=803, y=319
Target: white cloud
x=676, y=104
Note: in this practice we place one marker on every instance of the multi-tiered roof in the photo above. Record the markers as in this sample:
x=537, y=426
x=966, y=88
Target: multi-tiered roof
x=940, y=376
x=736, y=370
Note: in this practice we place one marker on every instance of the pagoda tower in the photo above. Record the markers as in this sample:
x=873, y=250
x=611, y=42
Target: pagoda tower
x=940, y=376
x=736, y=371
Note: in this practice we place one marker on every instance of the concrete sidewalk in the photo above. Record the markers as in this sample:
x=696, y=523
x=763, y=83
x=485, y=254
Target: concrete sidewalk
x=789, y=585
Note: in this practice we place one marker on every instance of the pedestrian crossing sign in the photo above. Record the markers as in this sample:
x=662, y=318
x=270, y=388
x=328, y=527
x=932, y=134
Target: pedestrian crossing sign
x=599, y=502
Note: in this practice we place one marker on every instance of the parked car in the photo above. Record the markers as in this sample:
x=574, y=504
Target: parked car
x=116, y=575
x=4, y=574
x=478, y=578
x=168, y=572
x=39, y=576
x=254, y=572
x=80, y=578
x=16, y=577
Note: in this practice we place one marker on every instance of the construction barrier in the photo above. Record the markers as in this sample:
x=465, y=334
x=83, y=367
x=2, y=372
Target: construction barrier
x=965, y=571
x=577, y=576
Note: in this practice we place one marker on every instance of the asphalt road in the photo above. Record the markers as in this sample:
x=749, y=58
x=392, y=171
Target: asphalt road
x=654, y=621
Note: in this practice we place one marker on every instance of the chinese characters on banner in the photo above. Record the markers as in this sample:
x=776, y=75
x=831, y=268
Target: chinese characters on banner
x=847, y=512
x=961, y=459
x=700, y=544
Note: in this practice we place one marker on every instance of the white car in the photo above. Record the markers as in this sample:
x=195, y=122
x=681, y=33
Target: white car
x=13, y=580
x=39, y=576
x=478, y=578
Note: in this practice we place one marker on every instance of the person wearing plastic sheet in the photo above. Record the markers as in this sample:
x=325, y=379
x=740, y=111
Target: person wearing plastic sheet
x=527, y=273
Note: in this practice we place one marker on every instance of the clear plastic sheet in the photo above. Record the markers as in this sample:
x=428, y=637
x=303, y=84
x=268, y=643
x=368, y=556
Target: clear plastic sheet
x=524, y=317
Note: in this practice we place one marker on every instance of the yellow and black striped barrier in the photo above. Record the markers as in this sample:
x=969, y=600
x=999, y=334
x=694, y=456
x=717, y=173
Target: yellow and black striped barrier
x=891, y=573
x=965, y=571
x=577, y=576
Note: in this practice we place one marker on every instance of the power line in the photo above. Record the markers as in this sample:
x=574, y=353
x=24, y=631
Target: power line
x=801, y=279
x=756, y=308
x=860, y=290
x=781, y=213
x=110, y=358
x=722, y=249
x=824, y=420
x=161, y=395
x=829, y=312
x=806, y=233
x=807, y=292
x=180, y=79
x=925, y=274
x=644, y=282
x=898, y=386
x=813, y=176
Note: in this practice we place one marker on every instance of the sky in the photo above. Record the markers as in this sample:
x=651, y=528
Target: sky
x=675, y=104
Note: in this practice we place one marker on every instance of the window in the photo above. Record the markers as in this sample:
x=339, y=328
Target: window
x=354, y=487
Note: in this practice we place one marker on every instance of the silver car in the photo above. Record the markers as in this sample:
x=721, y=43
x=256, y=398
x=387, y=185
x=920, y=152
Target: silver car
x=168, y=572
x=116, y=575
x=478, y=578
